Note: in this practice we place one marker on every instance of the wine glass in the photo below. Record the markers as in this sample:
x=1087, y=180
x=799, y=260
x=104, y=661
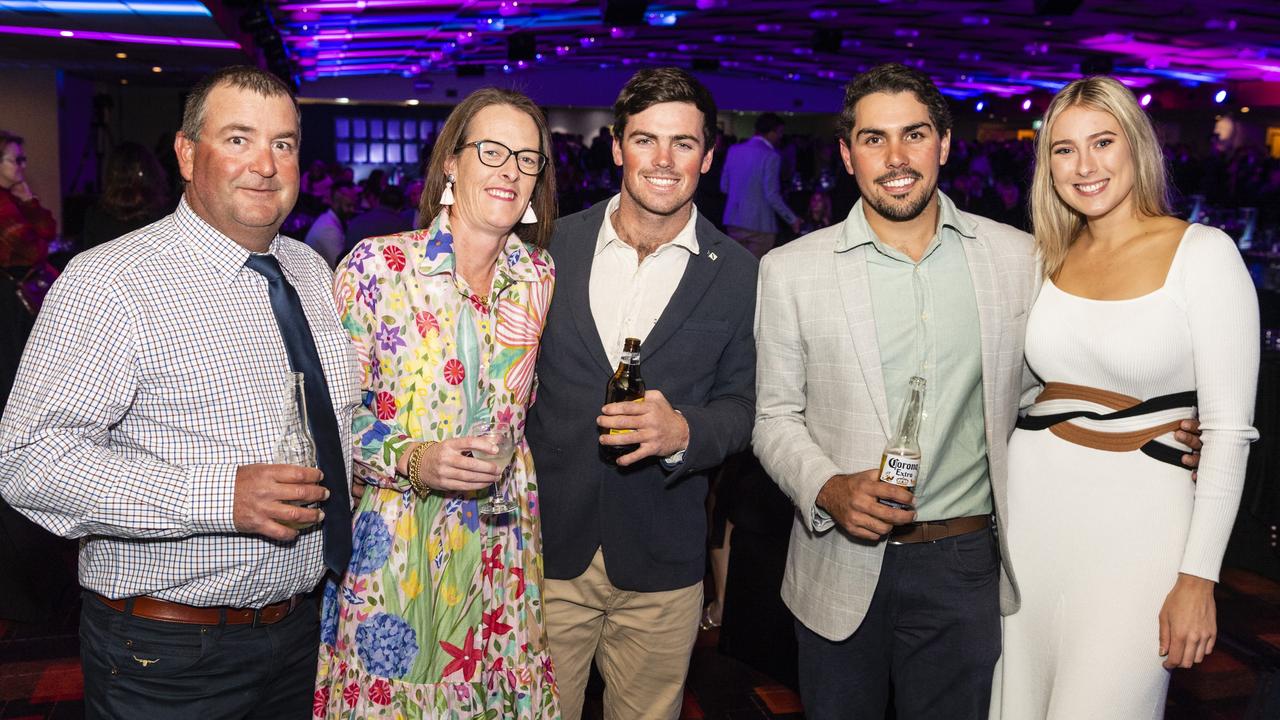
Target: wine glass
x=502, y=435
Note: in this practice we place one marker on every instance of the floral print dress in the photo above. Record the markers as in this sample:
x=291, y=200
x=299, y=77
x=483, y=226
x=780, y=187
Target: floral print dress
x=440, y=612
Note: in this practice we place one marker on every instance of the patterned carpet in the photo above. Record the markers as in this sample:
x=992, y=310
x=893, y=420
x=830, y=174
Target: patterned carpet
x=40, y=674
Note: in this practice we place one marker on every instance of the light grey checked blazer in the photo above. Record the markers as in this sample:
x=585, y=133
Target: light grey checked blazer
x=821, y=407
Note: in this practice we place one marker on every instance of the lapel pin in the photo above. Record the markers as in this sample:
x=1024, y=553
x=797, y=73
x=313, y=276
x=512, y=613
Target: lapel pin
x=712, y=256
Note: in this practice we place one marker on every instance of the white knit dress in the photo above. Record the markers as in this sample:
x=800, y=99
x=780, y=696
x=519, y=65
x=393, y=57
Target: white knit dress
x=1098, y=537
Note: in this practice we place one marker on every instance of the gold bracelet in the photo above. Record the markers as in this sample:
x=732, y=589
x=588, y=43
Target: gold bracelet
x=415, y=467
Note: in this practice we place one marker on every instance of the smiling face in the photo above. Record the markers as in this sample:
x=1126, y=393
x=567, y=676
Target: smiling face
x=242, y=174
x=491, y=200
x=662, y=156
x=1091, y=162
x=894, y=152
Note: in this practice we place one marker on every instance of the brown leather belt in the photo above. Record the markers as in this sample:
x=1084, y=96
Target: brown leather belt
x=931, y=530
x=165, y=611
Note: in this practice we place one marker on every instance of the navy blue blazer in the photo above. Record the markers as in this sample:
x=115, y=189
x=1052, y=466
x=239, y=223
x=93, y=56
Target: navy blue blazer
x=649, y=519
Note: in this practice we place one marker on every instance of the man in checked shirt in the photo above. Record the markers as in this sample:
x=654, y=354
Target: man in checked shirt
x=143, y=421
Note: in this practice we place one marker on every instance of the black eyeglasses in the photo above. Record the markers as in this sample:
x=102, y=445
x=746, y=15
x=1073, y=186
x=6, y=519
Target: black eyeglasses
x=495, y=154
x=18, y=159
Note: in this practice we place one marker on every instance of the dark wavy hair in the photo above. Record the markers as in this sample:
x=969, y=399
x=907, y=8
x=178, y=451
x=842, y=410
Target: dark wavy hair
x=653, y=86
x=894, y=78
x=134, y=185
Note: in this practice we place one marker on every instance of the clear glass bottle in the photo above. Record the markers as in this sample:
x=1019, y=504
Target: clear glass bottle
x=295, y=446
x=900, y=463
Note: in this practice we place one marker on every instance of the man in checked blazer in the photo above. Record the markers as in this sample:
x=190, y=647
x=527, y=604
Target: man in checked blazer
x=908, y=285
x=624, y=544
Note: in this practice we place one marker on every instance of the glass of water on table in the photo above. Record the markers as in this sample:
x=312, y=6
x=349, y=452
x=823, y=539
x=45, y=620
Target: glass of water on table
x=502, y=435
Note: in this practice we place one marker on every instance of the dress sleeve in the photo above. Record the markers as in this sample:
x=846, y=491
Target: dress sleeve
x=376, y=443
x=1222, y=312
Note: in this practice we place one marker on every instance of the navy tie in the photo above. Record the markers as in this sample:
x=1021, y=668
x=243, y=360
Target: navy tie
x=301, y=348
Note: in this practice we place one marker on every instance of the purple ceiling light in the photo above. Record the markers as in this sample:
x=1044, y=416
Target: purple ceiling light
x=1011, y=49
x=127, y=38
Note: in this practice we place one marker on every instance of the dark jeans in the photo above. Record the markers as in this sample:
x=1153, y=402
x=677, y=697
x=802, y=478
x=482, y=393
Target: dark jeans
x=932, y=630
x=151, y=670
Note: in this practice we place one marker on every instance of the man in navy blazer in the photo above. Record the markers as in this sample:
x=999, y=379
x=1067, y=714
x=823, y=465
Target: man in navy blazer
x=750, y=182
x=624, y=543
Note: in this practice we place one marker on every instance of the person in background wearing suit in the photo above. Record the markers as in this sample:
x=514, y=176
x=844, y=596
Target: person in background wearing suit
x=624, y=544
x=750, y=180
x=328, y=234
x=384, y=218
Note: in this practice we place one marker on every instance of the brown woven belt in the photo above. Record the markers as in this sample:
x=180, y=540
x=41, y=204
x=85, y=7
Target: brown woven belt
x=931, y=530
x=165, y=611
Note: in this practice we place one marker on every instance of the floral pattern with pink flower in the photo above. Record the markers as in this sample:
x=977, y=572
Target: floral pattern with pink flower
x=440, y=615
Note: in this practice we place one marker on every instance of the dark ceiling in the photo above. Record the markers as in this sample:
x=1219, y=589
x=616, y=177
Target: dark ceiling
x=972, y=47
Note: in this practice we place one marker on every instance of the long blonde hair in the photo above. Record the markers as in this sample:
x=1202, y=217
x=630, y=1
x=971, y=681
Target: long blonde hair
x=1056, y=224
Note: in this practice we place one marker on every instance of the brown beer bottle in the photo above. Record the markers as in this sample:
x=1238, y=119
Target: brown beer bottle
x=626, y=385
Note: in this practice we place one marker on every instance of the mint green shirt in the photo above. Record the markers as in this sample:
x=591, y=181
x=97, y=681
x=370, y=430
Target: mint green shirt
x=926, y=317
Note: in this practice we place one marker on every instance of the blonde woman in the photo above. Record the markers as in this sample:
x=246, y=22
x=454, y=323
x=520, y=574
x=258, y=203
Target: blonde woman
x=1142, y=320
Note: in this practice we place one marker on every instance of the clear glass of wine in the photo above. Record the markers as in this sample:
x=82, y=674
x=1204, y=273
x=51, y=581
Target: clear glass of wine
x=502, y=435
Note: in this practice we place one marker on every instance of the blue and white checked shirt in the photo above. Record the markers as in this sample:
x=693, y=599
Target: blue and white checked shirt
x=155, y=369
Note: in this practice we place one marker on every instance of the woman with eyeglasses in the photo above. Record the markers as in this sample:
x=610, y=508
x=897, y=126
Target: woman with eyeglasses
x=25, y=226
x=439, y=614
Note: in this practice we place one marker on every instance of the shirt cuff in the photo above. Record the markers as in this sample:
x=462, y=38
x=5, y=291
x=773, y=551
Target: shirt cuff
x=212, y=497
x=820, y=521
x=674, y=459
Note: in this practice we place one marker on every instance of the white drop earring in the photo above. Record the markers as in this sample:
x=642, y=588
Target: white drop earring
x=529, y=217
x=446, y=197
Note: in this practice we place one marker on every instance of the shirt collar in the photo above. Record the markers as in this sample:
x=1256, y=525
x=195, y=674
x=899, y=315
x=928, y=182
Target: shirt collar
x=435, y=244
x=765, y=140
x=857, y=231
x=687, y=238
x=226, y=255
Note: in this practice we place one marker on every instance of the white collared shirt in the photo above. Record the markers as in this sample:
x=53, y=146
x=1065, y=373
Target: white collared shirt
x=628, y=294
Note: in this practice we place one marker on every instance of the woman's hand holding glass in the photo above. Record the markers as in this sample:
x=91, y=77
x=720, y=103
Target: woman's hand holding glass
x=449, y=465
x=501, y=435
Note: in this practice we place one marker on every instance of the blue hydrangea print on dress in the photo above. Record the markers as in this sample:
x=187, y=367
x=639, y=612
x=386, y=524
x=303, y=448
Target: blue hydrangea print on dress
x=370, y=542
x=387, y=645
x=329, y=614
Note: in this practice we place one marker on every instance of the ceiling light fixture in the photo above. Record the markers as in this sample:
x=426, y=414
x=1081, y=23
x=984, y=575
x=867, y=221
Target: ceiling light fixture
x=127, y=38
